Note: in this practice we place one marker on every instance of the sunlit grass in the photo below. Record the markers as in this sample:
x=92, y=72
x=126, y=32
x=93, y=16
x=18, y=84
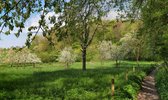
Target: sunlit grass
x=50, y=81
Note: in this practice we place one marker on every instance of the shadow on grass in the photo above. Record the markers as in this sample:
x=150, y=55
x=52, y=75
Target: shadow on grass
x=40, y=77
x=60, y=81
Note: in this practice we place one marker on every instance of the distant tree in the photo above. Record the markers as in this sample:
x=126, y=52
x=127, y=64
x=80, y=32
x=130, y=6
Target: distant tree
x=25, y=56
x=80, y=16
x=21, y=57
x=9, y=58
x=117, y=53
x=67, y=56
x=133, y=44
x=117, y=29
x=75, y=18
x=155, y=27
x=40, y=44
x=104, y=50
x=3, y=55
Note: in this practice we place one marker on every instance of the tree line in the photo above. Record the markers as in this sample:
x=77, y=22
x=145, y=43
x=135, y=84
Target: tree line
x=79, y=20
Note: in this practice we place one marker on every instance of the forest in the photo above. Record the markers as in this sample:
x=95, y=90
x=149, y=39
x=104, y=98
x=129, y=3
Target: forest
x=75, y=52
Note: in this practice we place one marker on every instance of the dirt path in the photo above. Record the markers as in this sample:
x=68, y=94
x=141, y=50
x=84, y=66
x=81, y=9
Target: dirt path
x=149, y=91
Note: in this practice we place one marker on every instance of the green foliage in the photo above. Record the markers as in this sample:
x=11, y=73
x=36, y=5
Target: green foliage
x=48, y=57
x=131, y=91
x=155, y=27
x=80, y=94
x=14, y=13
x=82, y=19
x=41, y=46
x=162, y=84
x=133, y=84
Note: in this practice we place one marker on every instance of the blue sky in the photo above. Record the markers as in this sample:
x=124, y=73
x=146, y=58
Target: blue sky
x=7, y=41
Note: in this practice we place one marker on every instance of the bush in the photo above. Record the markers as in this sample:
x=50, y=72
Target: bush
x=137, y=78
x=150, y=69
x=133, y=84
x=130, y=91
x=48, y=57
x=162, y=84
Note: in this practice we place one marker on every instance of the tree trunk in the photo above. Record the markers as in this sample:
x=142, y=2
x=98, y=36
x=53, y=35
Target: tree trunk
x=83, y=58
x=67, y=65
x=34, y=65
x=137, y=60
x=116, y=63
x=137, y=57
x=102, y=63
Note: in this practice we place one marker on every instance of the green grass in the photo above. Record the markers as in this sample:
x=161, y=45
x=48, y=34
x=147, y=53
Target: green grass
x=53, y=81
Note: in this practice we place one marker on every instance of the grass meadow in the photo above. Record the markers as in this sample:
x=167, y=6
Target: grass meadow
x=55, y=82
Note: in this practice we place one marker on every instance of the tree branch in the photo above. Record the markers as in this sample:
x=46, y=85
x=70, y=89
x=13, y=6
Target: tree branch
x=90, y=41
x=11, y=9
x=2, y=28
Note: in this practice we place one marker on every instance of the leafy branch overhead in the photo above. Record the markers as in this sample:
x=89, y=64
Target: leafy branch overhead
x=14, y=14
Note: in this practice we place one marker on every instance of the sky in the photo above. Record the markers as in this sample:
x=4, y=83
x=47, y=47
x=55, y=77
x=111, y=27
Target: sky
x=7, y=41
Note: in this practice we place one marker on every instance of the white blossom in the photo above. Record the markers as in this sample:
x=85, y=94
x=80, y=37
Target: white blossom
x=117, y=52
x=129, y=42
x=23, y=56
x=67, y=56
x=104, y=49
